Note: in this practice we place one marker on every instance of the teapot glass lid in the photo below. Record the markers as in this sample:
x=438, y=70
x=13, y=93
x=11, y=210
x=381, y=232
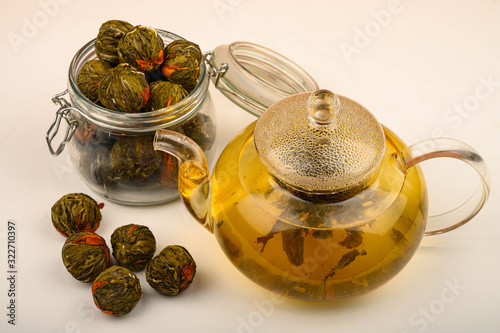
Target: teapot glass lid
x=320, y=143
x=255, y=77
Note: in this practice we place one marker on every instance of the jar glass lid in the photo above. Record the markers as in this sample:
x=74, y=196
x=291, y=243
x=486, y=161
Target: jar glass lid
x=255, y=77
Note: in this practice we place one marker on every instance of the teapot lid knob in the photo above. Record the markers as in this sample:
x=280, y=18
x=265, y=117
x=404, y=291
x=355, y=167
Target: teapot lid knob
x=323, y=106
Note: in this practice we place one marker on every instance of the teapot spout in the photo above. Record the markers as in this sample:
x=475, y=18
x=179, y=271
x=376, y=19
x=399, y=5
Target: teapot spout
x=194, y=176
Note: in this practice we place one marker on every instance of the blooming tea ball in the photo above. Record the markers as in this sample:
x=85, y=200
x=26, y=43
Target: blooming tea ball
x=133, y=246
x=116, y=291
x=182, y=63
x=76, y=212
x=134, y=158
x=124, y=89
x=106, y=43
x=85, y=255
x=201, y=129
x=182, y=69
x=164, y=94
x=142, y=48
x=182, y=46
x=171, y=271
x=95, y=166
x=89, y=77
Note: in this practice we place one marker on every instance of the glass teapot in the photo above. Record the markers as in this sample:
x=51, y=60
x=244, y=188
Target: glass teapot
x=316, y=200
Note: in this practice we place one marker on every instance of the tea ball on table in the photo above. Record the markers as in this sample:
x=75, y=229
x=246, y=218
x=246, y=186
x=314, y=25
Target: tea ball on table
x=116, y=291
x=133, y=246
x=76, y=212
x=85, y=255
x=171, y=271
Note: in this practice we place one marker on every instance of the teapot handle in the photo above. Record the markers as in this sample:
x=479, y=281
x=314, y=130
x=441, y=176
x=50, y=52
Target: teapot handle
x=446, y=147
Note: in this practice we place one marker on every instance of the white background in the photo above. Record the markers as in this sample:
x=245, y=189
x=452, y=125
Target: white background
x=414, y=64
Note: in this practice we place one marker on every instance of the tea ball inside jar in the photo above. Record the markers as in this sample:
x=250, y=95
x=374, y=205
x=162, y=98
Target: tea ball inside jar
x=134, y=159
x=164, y=94
x=142, y=48
x=89, y=77
x=182, y=63
x=106, y=43
x=124, y=89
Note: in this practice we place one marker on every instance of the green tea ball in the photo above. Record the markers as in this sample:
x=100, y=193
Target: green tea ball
x=182, y=46
x=142, y=48
x=182, y=69
x=134, y=158
x=124, y=89
x=116, y=291
x=171, y=271
x=164, y=94
x=85, y=255
x=89, y=77
x=201, y=129
x=182, y=63
x=106, y=43
x=76, y=212
x=95, y=166
x=133, y=246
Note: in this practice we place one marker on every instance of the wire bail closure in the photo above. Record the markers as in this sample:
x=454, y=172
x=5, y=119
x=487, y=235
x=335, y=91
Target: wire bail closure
x=64, y=112
x=214, y=71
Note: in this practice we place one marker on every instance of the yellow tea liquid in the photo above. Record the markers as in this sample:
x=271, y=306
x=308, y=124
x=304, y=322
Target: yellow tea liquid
x=312, y=251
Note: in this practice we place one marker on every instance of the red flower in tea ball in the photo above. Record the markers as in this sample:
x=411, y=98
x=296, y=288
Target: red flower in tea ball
x=85, y=255
x=142, y=48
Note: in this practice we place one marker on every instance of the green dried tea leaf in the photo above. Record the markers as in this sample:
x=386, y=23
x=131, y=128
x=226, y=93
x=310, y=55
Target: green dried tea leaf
x=344, y=261
x=353, y=239
x=124, y=89
x=142, y=48
x=133, y=246
x=85, y=255
x=171, y=271
x=293, y=245
x=89, y=77
x=116, y=291
x=106, y=43
x=76, y=212
x=164, y=94
x=134, y=158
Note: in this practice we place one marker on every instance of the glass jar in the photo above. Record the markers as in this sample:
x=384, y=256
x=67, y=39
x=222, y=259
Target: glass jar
x=113, y=151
